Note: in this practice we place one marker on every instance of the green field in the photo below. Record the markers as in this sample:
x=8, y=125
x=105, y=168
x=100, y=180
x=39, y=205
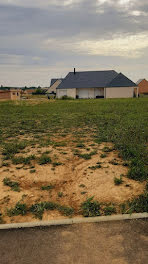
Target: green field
x=124, y=122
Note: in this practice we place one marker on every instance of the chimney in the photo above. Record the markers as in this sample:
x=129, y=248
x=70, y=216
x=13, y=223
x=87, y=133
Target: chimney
x=74, y=70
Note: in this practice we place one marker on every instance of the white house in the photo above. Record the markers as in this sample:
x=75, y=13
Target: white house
x=96, y=84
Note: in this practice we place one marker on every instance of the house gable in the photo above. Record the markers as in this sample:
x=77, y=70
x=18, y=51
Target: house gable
x=121, y=81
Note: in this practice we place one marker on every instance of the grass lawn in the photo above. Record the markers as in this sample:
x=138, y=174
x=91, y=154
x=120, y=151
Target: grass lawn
x=49, y=149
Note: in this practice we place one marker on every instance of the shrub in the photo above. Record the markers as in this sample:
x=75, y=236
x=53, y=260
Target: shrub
x=14, y=185
x=90, y=208
x=118, y=181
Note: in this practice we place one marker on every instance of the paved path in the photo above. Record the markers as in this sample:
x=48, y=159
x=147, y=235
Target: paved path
x=122, y=242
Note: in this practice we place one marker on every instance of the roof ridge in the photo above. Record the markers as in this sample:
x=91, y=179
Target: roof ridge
x=93, y=71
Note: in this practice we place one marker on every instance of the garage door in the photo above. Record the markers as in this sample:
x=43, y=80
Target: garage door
x=83, y=93
x=62, y=92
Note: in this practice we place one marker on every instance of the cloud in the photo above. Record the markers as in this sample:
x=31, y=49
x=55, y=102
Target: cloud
x=124, y=46
x=51, y=34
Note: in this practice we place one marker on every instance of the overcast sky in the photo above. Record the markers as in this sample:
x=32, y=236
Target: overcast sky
x=44, y=39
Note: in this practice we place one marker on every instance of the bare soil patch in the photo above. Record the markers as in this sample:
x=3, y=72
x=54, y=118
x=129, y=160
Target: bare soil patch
x=74, y=178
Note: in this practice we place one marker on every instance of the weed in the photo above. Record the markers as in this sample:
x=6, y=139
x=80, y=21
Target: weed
x=83, y=193
x=137, y=205
x=90, y=208
x=13, y=185
x=113, y=162
x=47, y=188
x=23, y=160
x=137, y=170
x=109, y=210
x=5, y=164
x=87, y=156
x=59, y=144
x=67, y=211
x=118, y=181
x=47, y=152
x=140, y=204
x=39, y=208
x=98, y=166
x=32, y=171
x=107, y=149
x=44, y=159
x=82, y=186
x=60, y=194
x=102, y=156
x=19, y=209
x=55, y=164
x=127, y=185
x=10, y=149
x=80, y=145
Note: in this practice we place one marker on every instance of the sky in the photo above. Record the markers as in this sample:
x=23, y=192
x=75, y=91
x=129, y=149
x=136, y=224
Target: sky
x=44, y=39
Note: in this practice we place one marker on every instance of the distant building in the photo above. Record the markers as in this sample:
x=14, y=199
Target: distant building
x=12, y=94
x=143, y=86
x=53, y=86
x=28, y=91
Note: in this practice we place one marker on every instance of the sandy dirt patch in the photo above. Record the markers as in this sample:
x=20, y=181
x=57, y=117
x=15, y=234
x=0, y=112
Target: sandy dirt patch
x=75, y=180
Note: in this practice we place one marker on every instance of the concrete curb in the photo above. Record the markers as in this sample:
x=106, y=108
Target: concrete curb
x=75, y=221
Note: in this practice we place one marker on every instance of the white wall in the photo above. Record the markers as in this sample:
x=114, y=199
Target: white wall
x=68, y=92
x=71, y=92
x=119, y=92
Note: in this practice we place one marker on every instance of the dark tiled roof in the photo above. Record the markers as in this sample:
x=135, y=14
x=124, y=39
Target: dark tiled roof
x=88, y=79
x=54, y=80
x=121, y=81
x=92, y=79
